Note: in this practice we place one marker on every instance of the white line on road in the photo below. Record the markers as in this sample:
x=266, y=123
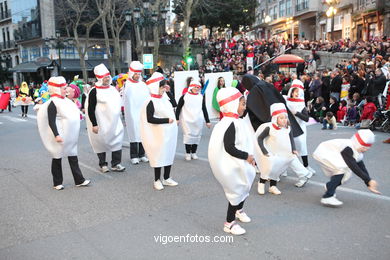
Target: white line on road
x=320, y=184
x=14, y=119
x=95, y=171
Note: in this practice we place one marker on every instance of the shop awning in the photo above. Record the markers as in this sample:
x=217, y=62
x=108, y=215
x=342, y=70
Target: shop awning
x=32, y=66
x=288, y=58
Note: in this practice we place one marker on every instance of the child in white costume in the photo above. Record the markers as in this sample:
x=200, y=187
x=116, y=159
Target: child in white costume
x=104, y=125
x=59, y=126
x=192, y=112
x=275, y=151
x=338, y=158
x=230, y=156
x=135, y=94
x=296, y=104
x=159, y=130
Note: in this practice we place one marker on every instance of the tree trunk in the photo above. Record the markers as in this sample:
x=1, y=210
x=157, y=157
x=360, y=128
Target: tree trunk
x=139, y=47
x=187, y=15
x=156, y=44
x=108, y=49
x=117, y=54
x=193, y=33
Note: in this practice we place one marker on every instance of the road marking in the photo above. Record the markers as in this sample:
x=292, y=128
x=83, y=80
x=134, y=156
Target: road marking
x=320, y=184
x=32, y=116
x=1, y=123
x=14, y=119
x=94, y=170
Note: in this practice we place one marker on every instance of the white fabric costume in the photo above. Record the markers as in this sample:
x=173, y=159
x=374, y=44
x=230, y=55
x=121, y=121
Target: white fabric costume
x=134, y=95
x=328, y=153
x=67, y=121
x=108, y=110
x=191, y=117
x=297, y=105
x=235, y=175
x=279, y=148
x=159, y=140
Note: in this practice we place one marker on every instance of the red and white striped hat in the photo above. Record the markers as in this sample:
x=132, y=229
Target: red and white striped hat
x=135, y=67
x=55, y=83
x=153, y=82
x=229, y=100
x=277, y=109
x=363, y=138
x=101, y=71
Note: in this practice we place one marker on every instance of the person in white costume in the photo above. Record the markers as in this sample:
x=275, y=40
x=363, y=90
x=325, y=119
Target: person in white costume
x=230, y=155
x=295, y=102
x=275, y=151
x=191, y=111
x=135, y=95
x=59, y=126
x=104, y=125
x=338, y=158
x=159, y=131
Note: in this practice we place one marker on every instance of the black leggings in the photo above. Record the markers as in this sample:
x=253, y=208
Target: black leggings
x=24, y=109
x=231, y=212
x=271, y=182
x=331, y=186
x=191, y=148
x=157, y=172
x=305, y=161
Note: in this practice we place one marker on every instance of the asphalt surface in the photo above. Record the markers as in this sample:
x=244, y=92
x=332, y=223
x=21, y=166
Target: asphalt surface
x=121, y=216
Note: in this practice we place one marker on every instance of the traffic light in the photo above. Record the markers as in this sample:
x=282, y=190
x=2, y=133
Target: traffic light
x=188, y=60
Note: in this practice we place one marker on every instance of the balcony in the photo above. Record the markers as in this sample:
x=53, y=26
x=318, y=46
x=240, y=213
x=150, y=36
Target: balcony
x=5, y=15
x=301, y=6
x=8, y=45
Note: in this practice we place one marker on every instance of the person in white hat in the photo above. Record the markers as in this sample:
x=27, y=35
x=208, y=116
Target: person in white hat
x=135, y=95
x=338, y=158
x=295, y=102
x=159, y=131
x=191, y=112
x=104, y=125
x=275, y=151
x=230, y=155
x=59, y=126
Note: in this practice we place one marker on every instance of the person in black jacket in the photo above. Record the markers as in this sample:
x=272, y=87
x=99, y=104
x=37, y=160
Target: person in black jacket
x=325, y=92
x=377, y=85
x=335, y=84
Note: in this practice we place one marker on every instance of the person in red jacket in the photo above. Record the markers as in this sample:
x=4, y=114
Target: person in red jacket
x=368, y=109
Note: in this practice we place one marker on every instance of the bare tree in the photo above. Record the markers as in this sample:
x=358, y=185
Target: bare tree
x=79, y=16
x=104, y=11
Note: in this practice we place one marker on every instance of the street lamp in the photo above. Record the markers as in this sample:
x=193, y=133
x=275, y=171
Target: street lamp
x=331, y=12
x=267, y=20
x=58, y=43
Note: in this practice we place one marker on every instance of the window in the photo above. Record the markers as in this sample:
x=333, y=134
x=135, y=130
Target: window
x=301, y=5
x=282, y=9
x=288, y=8
x=35, y=52
x=24, y=55
x=45, y=51
x=275, y=12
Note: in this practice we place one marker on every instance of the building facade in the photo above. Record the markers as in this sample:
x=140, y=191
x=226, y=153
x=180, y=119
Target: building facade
x=27, y=31
x=308, y=20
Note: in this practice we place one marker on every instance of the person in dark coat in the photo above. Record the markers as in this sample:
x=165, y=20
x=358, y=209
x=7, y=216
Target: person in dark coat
x=261, y=96
x=325, y=92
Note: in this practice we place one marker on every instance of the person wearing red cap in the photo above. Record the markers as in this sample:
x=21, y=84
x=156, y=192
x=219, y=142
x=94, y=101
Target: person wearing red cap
x=135, y=94
x=104, y=125
x=231, y=159
x=59, y=125
x=338, y=158
x=191, y=112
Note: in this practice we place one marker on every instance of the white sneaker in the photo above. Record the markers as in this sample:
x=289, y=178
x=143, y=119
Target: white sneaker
x=274, y=190
x=331, y=201
x=85, y=183
x=301, y=182
x=59, y=187
x=158, y=185
x=233, y=228
x=144, y=159
x=104, y=169
x=242, y=216
x=284, y=174
x=188, y=157
x=261, y=188
x=118, y=168
x=135, y=161
x=169, y=182
x=311, y=170
x=194, y=156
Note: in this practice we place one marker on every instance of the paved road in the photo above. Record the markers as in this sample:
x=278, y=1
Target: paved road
x=120, y=216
